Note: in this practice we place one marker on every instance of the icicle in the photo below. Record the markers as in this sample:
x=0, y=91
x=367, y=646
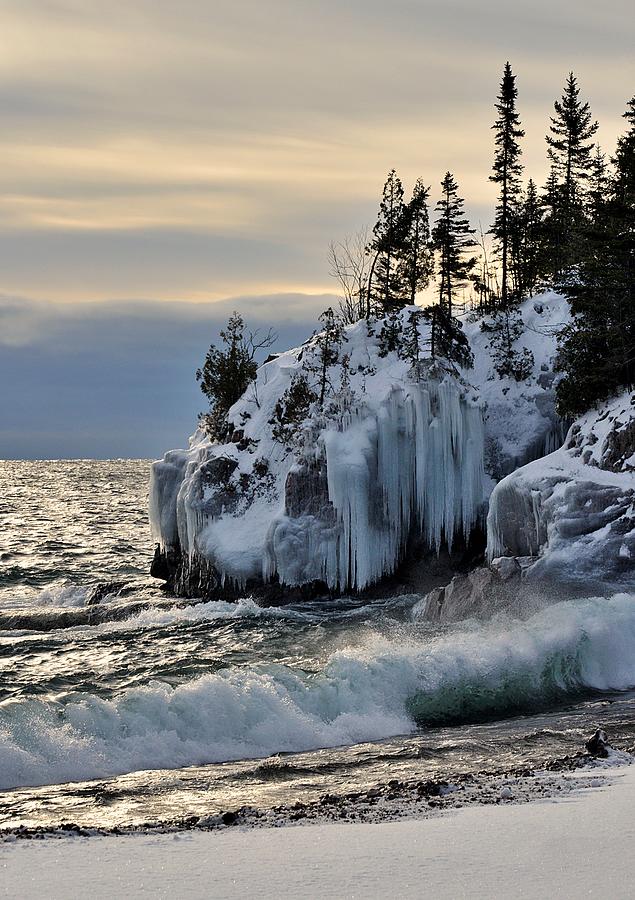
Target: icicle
x=416, y=462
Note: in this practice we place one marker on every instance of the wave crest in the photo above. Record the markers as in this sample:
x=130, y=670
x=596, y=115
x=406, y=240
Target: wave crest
x=383, y=688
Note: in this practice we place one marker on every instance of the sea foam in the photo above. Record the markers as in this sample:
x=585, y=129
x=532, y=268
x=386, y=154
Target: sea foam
x=380, y=689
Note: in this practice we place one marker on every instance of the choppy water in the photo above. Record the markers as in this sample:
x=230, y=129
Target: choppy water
x=140, y=707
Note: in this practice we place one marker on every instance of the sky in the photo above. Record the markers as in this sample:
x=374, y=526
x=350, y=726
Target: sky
x=163, y=163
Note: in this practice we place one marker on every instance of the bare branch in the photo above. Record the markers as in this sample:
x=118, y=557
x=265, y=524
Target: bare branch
x=349, y=264
x=254, y=342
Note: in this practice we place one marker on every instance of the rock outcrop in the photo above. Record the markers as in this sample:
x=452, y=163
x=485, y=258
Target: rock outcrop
x=398, y=462
x=573, y=511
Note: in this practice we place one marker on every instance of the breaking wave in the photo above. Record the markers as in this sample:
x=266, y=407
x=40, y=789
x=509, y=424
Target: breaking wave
x=135, y=614
x=384, y=688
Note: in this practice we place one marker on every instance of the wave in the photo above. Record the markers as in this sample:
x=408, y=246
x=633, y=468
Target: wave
x=380, y=689
x=137, y=614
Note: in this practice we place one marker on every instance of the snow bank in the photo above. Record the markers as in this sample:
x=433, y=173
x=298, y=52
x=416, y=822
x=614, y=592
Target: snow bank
x=394, y=456
x=578, y=845
x=572, y=514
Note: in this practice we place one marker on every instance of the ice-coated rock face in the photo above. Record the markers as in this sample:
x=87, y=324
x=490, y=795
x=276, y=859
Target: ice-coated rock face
x=414, y=465
x=477, y=595
x=395, y=460
x=574, y=510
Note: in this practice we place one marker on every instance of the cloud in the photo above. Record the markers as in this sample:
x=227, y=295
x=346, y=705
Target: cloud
x=117, y=379
x=200, y=150
x=204, y=149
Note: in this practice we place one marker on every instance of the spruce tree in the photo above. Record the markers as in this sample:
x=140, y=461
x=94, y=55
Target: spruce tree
x=411, y=341
x=291, y=409
x=452, y=239
x=390, y=334
x=417, y=262
x=328, y=343
x=385, y=282
x=447, y=338
x=531, y=241
x=226, y=373
x=597, y=350
x=507, y=170
x=598, y=185
x=552, y=227
x=569, y=151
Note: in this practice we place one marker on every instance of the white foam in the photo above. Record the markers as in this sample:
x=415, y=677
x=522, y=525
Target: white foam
x=366, y=693
x=63, y=594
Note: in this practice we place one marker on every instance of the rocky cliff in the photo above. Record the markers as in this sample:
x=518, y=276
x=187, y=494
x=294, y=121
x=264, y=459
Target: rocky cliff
x=560, y=526
x=395, y=468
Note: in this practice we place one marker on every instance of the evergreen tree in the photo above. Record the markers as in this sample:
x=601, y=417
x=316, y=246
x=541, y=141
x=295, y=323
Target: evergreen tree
x=447, y=338
x=411, y=342
x=530, y=241
x=327, y=344
x=385, y=283
x=417, y=261
x=226, y=373
x=624, y=179
x=598, y=185
x=451, y=237
x=291, y=409
x=569, y=150
x=506, y=326
x=390, y=334
x=597, y=350
x=552, y=227
x=507, y=169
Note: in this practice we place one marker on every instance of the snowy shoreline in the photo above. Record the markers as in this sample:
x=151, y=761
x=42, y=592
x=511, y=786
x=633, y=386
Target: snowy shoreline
x=384, y=802
x=575, y=839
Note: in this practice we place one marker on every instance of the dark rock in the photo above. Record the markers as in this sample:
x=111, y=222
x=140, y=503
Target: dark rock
x=103, y=590
x=479, y=594
x=432, y=788
x=620, y=448
x=306, y=493
x=598, y=746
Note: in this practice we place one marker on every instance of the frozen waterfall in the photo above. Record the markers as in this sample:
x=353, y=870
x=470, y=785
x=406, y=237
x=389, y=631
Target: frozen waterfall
x=413, y=466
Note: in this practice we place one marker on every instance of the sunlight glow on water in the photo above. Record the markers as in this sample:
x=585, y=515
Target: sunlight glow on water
x=164, y=690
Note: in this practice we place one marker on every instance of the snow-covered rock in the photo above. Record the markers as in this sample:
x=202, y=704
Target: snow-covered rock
x=397, y=460
x=573, y=512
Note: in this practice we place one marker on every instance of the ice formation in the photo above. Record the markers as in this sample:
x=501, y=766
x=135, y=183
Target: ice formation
x=397, y=460
x=416, y=464
x=571, y=515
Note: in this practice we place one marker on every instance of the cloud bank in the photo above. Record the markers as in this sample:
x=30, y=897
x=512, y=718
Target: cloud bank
x=116, y=380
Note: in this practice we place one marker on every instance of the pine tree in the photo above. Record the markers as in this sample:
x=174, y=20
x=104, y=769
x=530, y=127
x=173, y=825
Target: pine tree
x=598, y=185
x=385, y=284
x=417, y=261
x=506, y=326
x=507, y=170
x=390, y=334
x=552, y=227
x=597, y=350
x=451, y=237
x=447, y=338
x=226, y=374
x=569, y=151
x=291, y=409
x=624, y=179
x=328, y=343
x=411, y=342
x=531, y=241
